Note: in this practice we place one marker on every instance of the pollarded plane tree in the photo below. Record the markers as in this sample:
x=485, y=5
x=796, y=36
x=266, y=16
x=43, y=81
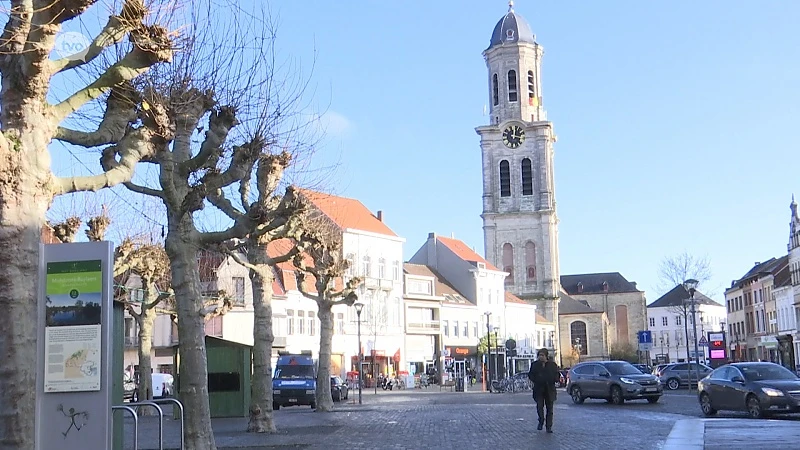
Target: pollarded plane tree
x=28, y=125
x=219, y=112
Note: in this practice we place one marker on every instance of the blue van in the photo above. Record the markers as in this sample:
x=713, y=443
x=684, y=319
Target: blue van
x=295, y=380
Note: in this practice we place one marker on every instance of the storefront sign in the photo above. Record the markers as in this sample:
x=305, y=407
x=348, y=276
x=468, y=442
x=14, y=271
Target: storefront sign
x=462, y=352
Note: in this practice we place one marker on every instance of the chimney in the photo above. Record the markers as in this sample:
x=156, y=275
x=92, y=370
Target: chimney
x=380, y=216
x=634, y=284
x=431, y=235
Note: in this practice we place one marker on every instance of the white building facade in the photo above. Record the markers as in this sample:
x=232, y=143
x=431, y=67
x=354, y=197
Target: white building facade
x=668, y=324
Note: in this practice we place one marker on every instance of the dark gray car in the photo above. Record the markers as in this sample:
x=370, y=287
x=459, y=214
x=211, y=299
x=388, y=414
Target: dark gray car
x=757, y=387
x=614, y=381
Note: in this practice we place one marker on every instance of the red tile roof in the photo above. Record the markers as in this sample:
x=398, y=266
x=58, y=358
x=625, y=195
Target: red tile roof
x=346, y=212
x=464, y=252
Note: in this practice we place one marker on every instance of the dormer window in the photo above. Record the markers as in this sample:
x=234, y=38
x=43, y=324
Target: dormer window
x=605, y=287
x=509, y=35
x=512, y=86
x=580, y=288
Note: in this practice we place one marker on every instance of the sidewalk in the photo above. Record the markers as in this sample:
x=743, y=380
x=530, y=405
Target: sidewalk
x=724, y=434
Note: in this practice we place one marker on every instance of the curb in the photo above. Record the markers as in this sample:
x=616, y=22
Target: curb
x=686, y=434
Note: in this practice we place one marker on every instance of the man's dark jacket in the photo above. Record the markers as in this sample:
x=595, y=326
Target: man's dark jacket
x=544, y=378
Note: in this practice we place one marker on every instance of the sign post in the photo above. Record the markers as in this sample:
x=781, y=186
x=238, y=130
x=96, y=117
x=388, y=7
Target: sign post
x=645, y=342
x=74, y=369
x=717, y=348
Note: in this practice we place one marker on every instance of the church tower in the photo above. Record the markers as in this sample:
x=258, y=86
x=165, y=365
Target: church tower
x=520, y=224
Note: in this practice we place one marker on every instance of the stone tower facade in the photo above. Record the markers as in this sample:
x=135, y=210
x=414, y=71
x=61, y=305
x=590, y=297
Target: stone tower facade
x=519, y=207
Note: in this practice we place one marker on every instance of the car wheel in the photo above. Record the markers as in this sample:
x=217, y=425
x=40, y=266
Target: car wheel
x=653, y=399
x=754, y=407
x=338, y=397
x=673, y=384
x=313, y=405
x=706, y=406
x=616, y=395
x=276, y=406
x=577, y=395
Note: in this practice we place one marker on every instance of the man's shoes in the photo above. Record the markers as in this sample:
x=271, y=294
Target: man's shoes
x=541, y=425
x=549, y=430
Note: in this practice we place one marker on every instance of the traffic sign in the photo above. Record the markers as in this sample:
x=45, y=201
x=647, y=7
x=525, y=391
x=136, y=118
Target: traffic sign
x=703, y=342
x=645, y=340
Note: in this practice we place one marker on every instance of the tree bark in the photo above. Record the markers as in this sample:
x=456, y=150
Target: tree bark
x=193, y=368
x=24, y=198
x=261, y=417
x=323, y=394
x=146, y=323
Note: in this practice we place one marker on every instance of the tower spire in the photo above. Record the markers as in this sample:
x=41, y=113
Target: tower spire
x=510, y=5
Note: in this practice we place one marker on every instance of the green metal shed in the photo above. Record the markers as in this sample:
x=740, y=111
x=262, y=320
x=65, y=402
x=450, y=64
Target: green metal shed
x=229, y=376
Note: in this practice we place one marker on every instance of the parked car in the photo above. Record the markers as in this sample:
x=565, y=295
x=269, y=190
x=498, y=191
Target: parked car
x=644, y=368
x=756, y=387
x=162, y=384
x=614, y=381
x=339, y=389
x=659, y=368
x=676, y=375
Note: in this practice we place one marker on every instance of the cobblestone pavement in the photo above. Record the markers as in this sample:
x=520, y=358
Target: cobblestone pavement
x=414, y=419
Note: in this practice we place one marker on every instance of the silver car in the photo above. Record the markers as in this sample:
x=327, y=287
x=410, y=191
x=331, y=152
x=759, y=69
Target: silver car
x=676, y=375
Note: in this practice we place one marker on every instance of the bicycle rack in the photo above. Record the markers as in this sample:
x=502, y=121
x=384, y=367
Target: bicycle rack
x=160, y=419
x=135, y=423
x=180, y=408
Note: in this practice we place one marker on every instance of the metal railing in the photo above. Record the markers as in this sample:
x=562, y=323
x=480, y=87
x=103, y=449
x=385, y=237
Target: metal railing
x=133, y=409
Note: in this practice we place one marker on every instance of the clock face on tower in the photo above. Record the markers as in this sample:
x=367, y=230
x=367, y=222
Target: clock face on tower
x=513, y=136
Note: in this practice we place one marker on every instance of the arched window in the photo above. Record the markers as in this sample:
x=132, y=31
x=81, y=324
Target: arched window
x=621, y=319
x=530, y=262
x=577, y=337
x=531, y=95
x=505, y=179
x=495, y=91
x=512, y=85
x=508, y=262
x=527, y=177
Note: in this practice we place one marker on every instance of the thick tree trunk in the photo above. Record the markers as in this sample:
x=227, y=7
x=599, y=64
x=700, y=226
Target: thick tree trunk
x=148, y=318
x=324, y=399
x=25, y=195
x=193, y=367
x=261, y=419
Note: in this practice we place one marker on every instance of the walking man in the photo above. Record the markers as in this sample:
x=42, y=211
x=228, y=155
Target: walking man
x=543, y=375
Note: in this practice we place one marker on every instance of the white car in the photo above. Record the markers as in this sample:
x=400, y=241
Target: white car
x=162, y=386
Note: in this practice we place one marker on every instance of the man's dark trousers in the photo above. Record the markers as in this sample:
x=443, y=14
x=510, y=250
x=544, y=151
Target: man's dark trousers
x=544, y=399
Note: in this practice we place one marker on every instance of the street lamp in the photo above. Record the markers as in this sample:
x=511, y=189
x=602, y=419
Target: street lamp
x=690, y=285
x=488, y=378
x=359, y=306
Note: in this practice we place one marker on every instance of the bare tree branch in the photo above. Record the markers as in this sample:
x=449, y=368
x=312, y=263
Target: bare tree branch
x=114, y=32
x=119, y=114
x=674, y=270
x=135, y=146
x=151, y=45
x=220, y=124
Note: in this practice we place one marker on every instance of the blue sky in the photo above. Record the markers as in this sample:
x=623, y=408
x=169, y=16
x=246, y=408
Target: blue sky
x=676, y=121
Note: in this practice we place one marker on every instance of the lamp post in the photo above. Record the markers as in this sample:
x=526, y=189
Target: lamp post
x=359, y=306
x=690, y=285
x=488, y=352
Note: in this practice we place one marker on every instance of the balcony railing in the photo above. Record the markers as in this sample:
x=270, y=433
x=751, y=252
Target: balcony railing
x=423, y=327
